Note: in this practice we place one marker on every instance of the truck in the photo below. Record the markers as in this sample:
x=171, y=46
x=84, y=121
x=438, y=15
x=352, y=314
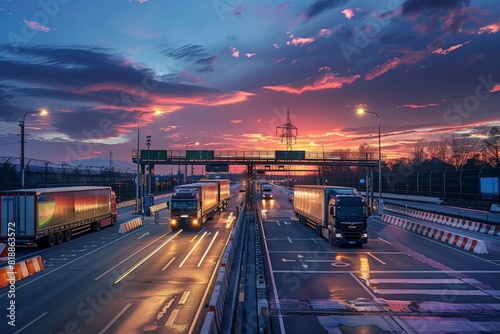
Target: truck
x=338, y=214
x=266, y=190
x=51, y=216
x=191, y=205
x=224, y=190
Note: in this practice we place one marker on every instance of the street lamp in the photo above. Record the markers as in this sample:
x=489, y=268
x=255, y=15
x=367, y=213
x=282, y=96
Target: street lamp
x=362, y=111
x=148, y=143
x=42, y=112
x=137, y=159
x=185, y=166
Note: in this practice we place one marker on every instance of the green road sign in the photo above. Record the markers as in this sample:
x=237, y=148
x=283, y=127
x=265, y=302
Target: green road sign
x=154, y=155
x=290, y=155
x=199, y=155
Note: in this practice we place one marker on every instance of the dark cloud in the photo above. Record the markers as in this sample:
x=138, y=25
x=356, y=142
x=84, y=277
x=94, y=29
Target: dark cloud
x=195, y=54
x=321, y=6
x=416, y=6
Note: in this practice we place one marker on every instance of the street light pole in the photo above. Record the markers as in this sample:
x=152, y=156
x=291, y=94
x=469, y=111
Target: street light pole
x=148, y=143
x=138, y=208
x=185, y=165
x=21, y=124
x=361, y=111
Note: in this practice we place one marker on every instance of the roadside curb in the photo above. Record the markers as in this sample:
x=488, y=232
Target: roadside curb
x=470, y=244
x=130, y=225
x=20, y=270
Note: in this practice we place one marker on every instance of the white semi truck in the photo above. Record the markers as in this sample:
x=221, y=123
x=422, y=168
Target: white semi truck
x=338, y=214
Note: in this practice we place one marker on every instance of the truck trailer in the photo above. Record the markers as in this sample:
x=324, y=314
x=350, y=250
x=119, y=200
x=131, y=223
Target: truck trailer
x=193, y=204
x=50, y=216
x=224, y=190
x=338, y=214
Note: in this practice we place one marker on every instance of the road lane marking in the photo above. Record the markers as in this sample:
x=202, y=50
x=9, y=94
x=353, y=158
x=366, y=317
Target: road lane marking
x=384, y=240
x=376, y=258
x=114, y=319
x=314, y=240
x=169, y=263
x=194, y=238
x=184, y=297
x=31, y=322
x=192, y=250
x=432, y=292
x=134, y=267
x=208, y=248
x=112, y=268
x=172, y=317
x=290, y=240
x=142, y=236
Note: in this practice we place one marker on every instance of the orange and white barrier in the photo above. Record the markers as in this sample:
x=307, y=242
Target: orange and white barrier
x=20, y=270
x=130, y=225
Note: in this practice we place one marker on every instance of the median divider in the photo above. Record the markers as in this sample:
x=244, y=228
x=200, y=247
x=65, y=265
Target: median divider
x=130, y=225
x=470, y=244
x=20, y=270
x=213, y=319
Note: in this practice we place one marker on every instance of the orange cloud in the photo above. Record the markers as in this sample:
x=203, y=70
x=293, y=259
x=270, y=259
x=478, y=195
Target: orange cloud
x=34, y=25
x=490, y=29
x=234, y=52
x=299, y=41
x=450, y=49
x=319, y=82
x=348, y=12
x=384, y=68
x=418, y=106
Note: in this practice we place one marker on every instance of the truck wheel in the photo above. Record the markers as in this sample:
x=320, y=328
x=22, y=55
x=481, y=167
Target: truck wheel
x=67, y=235
x=96, y=226
x=60, y=238
x=51, y=241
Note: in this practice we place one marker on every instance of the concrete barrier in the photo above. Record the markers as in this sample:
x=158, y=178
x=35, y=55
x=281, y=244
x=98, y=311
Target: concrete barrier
x=157, y=207
x=470, y=244
x=130, y=225
x=20, y=270
x=446, y=220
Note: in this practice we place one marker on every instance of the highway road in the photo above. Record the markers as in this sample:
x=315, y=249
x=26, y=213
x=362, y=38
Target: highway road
x=399, y=282
x=148, y=280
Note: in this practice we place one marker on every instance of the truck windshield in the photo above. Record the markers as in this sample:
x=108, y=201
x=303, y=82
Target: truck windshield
x=350, y=211
x=183, y=205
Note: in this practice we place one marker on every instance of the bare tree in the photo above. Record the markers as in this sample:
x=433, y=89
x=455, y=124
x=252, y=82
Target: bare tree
x=492, y=143
x=419, y=154
x=366, y=149
x=438, y=149
x=462, y=149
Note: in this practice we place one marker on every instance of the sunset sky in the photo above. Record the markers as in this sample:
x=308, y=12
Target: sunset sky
x=224, y=73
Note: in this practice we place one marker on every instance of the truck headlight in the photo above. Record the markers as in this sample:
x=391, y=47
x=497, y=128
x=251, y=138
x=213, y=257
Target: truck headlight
x=195, y=221
x=173, y=222
x=364, y=235
x=338, y=235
